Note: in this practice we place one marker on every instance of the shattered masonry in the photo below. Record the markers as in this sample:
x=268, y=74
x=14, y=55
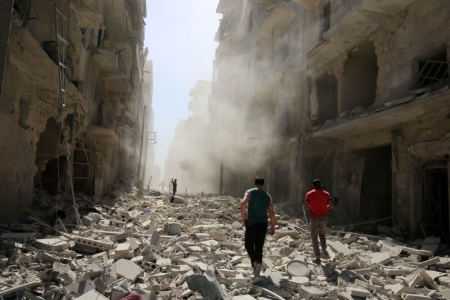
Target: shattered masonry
x=353, y=92
x=147, y=246
x=106, y=95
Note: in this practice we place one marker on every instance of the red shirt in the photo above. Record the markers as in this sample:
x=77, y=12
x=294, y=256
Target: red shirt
x=319, y=200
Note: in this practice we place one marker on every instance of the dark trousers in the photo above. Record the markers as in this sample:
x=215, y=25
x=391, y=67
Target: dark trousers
x=255, y=235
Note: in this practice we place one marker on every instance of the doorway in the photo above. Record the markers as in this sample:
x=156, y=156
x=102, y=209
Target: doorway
x=435, y=200
x=376, y=185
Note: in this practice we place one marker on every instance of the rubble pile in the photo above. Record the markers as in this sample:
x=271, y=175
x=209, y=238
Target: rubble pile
x=149, y=247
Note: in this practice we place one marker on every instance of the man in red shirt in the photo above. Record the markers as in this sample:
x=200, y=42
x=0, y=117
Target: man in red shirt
x=318, y=201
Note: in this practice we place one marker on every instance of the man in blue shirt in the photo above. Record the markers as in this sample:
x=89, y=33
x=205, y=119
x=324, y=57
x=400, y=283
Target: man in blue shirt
x=260, y=207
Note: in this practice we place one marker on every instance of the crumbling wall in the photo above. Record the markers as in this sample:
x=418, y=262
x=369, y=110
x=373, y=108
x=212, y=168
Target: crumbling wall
x=30, y=116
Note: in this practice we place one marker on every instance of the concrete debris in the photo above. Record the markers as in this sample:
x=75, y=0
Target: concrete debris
x=171, y=253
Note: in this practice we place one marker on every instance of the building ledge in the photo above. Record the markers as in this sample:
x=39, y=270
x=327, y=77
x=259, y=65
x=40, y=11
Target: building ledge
x=387, y=116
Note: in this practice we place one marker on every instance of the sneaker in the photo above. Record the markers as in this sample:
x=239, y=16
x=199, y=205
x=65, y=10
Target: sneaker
x=317, y=261
x=324, y=254
x=257, y=270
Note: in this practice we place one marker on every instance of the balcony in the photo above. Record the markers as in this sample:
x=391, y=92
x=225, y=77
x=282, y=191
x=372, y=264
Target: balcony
x=107, y=60
x=354, y=27
x=387, y=116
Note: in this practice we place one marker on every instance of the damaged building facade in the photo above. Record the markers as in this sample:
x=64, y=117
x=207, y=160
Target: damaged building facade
x=353, y=92
x=104, y=90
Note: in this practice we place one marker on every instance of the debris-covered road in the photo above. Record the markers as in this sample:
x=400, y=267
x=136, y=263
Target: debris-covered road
x=144, y=247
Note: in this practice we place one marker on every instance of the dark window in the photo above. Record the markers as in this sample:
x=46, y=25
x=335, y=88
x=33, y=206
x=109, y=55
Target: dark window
x=359, y=81
x=433, y=71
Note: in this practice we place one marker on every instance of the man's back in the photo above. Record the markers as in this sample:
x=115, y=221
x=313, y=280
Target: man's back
x=257, y=206
x=318, y=199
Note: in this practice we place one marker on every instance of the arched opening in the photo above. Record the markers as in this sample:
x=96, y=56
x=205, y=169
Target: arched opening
x=359, y=82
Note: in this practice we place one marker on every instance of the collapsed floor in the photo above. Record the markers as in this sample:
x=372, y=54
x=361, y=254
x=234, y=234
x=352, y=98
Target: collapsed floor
x=144, y=247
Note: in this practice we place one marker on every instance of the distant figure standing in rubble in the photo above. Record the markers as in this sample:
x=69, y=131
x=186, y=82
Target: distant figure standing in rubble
x=174, y=186
x=260, y=207
x=318, y=201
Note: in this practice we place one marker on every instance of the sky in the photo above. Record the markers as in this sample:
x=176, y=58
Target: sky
x=180, y=37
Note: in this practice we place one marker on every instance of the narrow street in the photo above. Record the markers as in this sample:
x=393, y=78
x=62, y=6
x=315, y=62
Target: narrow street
x=224, y=149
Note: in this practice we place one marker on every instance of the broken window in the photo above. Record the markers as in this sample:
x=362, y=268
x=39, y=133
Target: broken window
x=433, y=71
x=23, y=8
x=326, y=87
x=359, y=81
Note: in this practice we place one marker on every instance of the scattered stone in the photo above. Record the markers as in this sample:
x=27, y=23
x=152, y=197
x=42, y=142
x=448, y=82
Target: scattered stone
x=127, y=269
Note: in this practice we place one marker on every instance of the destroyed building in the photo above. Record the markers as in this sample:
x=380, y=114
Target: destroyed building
x=72, y=90
x=353, y=92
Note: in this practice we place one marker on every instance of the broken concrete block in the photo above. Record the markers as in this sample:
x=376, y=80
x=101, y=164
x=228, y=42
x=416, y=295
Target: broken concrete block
x=119, y=237
x=172, y=228
x=101, y=245
x=52, y=244
x=276, y=278
x=415, y=297
x=127, y=269
x=218, y=235
x=358, y=292
x=93, y=270
x=396, y=289
x=282, y=233
x=79, y=288
x=163, y=261
x=351, y=265
x=236, y=259
x=428, y=262
x=417, y=251
x=397, y=272
x=207, y=285
x=243, y=297
x=428, y=280
x=310, y=292
x=415, y=280
x=64, y=273
x=286, y=251
x=123, y=250
x=92, y=295
x=380, y=258
x=236, y=225
x=444, y=281
x=155, y=238
x=340, y=248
